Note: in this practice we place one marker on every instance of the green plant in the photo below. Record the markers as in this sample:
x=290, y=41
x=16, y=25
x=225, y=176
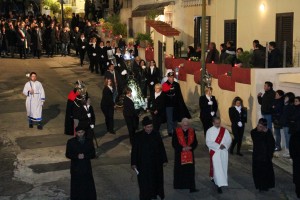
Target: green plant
x=245, y=58
x=152, y=14
x=144, y=37
x=52, y=5
x=179, y=43
x=68, y=12
x=113, y=19
x=119, y=29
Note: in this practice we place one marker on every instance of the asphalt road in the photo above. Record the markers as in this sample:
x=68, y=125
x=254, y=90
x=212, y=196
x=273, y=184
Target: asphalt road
x=33, y=163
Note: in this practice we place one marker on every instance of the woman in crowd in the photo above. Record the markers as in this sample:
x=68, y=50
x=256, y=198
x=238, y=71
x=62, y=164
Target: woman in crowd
x=294, y=129
x=156, y=105
x=277, y=108
x=286, y=111
x=142, y=76
x=107, y=105
x=208, y=109
x=238, y=118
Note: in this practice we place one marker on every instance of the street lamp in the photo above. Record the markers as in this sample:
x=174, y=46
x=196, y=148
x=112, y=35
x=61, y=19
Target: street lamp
x=62, y=12
x=203, y=32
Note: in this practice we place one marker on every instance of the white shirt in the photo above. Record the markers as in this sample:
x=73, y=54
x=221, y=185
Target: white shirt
x=157, y=94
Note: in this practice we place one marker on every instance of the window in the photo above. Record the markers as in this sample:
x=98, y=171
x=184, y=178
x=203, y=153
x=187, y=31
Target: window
x=230, y=31
x=284, y=32
x=197, y=31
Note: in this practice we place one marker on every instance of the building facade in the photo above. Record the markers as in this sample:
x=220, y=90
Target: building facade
x=239, y=21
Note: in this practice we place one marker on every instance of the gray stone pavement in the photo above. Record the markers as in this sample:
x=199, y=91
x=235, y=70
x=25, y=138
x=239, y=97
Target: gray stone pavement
x=33, y=163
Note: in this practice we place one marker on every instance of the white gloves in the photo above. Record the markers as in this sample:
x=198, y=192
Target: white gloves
x=210, y=103
x=240, y=124
x=102, y=56
x=92, y=126
x=107, y=63
x=94, y=54
x=124, y=72
x=83, y=47
x=119, y=64
x=89, y=115
x=212, y=113
x=143, y=67
x=152, y=83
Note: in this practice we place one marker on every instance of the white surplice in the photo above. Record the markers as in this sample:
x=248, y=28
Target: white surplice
x=220, y=157
x=34, y=102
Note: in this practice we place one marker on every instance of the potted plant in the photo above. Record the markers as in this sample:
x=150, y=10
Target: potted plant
x=144, y=39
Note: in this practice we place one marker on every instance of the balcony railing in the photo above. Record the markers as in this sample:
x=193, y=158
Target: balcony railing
x=190, y=3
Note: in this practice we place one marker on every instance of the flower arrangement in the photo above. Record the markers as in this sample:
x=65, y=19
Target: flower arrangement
x=194, y=59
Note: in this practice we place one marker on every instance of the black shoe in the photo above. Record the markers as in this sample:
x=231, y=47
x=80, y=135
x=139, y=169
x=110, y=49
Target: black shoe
x=212, y=180
x=220, y=190
x=231, y=152
x=40, y=127
x=194, y=190
x=239, y=154
x=112, y=132
x=30, y=125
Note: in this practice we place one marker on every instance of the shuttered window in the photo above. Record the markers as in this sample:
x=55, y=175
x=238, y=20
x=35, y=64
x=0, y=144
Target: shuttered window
x=197, y=31
x=284, y=32
x=230, y=30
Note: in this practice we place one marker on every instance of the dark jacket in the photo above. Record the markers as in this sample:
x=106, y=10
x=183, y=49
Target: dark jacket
x=286, y=112
x=258, y=58
x=129, y=110
x=82, y=44
x=11, y=37
x=36, y=39
x=294, y=120
x=154, y=77
x=236, y=117
x=277, y=109
x=274, y=60
x=206, y=109
x=107, y=98
x=65, y=37
x=266, y=101
x=213, y=56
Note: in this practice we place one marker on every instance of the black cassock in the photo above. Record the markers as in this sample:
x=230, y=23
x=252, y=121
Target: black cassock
x=262, y=166
x=82, y=181
x=69, y=122
x=148, y=154
x=184, y=175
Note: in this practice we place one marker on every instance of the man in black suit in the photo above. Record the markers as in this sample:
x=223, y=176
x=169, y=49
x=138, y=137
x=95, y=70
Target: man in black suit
x=22, y=40
x=82, y=46
x=153, y=76
x=156, y=105
x=102, y=56
x=92, y=52
x=130, y=115
x=51, y=40
x=208, y=109
x=114, y=75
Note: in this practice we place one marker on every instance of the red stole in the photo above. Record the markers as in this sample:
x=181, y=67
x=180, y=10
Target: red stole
x=212, y=152
x=186, y=156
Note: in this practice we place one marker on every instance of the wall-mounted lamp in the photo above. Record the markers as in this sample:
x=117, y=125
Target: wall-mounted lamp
x=262, y=7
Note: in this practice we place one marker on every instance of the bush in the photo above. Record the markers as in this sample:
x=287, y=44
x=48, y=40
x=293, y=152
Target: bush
x=144, y=37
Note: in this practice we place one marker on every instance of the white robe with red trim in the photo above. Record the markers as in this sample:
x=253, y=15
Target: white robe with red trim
x=34, y=102
x=220, y=157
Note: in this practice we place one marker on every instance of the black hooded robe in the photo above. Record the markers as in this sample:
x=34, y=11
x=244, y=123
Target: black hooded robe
x=262, y=166
x=148, y=155
x=82, y=181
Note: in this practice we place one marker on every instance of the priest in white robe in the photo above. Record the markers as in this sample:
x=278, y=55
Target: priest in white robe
x=35, y=94
x=218, y=140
